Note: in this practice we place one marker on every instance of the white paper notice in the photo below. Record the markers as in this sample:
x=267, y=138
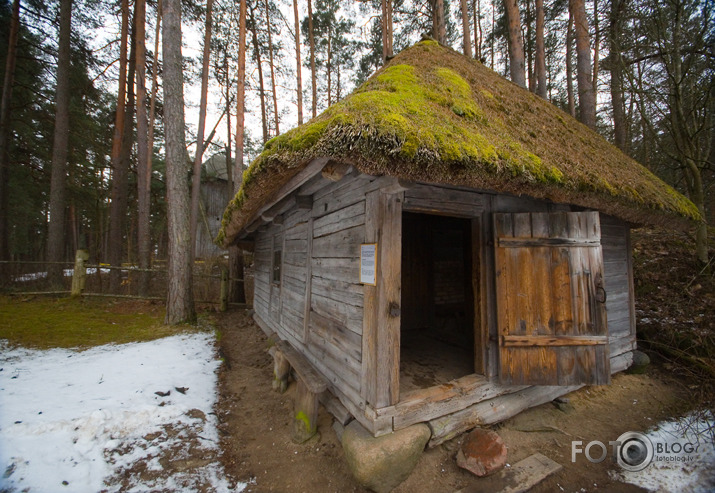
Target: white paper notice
x=368, y=263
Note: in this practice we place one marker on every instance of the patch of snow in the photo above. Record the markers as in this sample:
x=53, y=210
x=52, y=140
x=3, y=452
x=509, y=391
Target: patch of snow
x=677, y=466
x=80, y=420
x=34, y=276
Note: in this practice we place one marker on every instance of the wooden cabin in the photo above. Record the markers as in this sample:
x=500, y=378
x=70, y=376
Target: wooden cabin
x=444, y=247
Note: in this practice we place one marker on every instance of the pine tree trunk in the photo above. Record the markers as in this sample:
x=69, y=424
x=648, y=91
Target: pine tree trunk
x=236, y=289
x=196, y=176
x=329, y=67
x=439, y=28
x=528, y=48
x=144, y=213
x=8, y=82
x=516, y=46
x=311, y=39
x=569, y=67
x=116, y=158
x=383, y=26
x=389, y=28
x=298, y=67
x=120, y=176
x=541, y=88
x=596, y=46
x=477, y=30
x=273, y=71
x=261, y=86
x=143, y=178
x=466, y=36
x=58, y=180
x=179, y=299
x=586, y=96
x=615, y=62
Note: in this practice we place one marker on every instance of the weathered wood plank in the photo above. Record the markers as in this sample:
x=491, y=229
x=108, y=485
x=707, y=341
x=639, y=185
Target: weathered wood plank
x=519, y=478
x=348, y=315
x=388, y=298
x=493, y=411
x=345, y=341
x=348, y=217
x=307, y=294
x=430, y=403
x=339, y=291
x=341, y=269
x=345, y=243
x=368, y=372
x=343, y=360
x=528, y=341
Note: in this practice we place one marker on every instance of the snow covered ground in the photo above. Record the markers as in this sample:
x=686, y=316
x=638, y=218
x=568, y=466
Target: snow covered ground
x=34, y=276
x=132, y=417
x=683, y=457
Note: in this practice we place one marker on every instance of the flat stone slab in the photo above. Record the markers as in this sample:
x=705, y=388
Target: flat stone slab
x=519, y=478
x=382, y=463
x=483, y=452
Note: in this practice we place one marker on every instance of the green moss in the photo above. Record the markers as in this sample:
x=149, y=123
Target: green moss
x=47, y=323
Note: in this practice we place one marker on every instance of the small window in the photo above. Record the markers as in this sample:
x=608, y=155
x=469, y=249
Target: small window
x=276, y=276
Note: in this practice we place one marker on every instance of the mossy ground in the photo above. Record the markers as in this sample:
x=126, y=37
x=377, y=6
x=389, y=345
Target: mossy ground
x=43, y=323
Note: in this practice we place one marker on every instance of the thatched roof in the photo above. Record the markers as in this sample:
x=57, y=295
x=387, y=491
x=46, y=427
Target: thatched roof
x=433, y=115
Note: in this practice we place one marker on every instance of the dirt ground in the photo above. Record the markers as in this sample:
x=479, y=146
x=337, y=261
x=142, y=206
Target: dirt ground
x=255, y=424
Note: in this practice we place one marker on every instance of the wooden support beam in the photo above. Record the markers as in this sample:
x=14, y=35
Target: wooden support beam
x=335, y=170
x=381, y=313
x=394, y=185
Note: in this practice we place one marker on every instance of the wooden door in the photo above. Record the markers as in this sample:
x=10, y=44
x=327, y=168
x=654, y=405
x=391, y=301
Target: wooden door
x=551, y=312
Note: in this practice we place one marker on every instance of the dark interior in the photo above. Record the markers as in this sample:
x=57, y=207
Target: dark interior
x=437, y=316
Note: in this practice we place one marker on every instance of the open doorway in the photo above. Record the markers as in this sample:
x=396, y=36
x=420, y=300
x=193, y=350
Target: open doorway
x=437, y=316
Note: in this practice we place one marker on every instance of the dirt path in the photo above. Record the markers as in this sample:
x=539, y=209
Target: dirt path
x=255, y=425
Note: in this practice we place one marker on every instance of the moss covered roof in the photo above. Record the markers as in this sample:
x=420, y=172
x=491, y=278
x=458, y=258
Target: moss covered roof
x=433, y=115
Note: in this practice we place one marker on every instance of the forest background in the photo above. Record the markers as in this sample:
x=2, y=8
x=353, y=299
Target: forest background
x=109, y=107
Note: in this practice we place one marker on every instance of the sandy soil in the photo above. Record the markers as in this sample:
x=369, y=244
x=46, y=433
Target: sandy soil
x=255, y=426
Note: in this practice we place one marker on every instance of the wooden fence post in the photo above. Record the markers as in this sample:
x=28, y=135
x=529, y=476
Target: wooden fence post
x=80, y=272
x=224, y=290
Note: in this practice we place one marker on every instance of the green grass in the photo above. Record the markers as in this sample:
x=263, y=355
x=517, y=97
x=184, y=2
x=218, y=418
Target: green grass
x=44, y=323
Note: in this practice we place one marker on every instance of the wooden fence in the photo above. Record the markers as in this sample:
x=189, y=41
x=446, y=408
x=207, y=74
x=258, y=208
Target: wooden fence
x=211, y=280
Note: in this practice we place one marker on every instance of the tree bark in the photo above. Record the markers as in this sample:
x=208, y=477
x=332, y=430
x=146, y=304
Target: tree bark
x=477, y=30
x=8, y=82
x=261, y=87
x=596, y=46
x=298, y=66
x=311, y=40
x=179, y=300
x=58, y=180
x=272, y=67
x=569, y=67
x=586, y=96
x=516, y=46
x=541, y=88
x=236, y=289
x=528, y=47
x=466, y=36
x=439, y=28
x=615, y=63
x=120, y=175
x=196, y=176
x=143, y=178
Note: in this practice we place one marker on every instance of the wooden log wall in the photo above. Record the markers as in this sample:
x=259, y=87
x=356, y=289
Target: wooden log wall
x=321, y=308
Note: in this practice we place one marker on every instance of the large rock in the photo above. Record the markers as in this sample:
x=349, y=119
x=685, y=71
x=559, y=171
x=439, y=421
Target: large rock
x=483, y=452
x=384, y=462
x=640, y=363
